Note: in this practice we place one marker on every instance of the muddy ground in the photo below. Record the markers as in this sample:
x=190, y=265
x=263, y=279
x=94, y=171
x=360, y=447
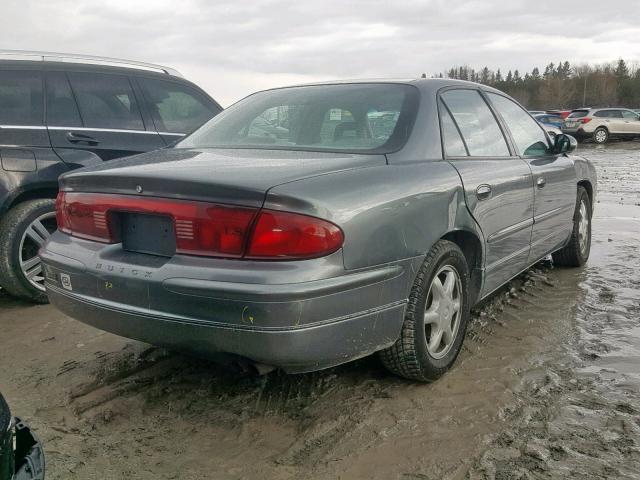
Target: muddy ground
x=548, y=386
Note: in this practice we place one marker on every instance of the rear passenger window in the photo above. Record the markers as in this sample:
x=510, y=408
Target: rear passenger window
x=477, y=124
x=176, y=108
x=527, y=134
x=106, y=101
x=21, y=101
x=62, y=110
x=451, y=139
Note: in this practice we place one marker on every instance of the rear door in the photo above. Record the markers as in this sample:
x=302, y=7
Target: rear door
x=498, y=184
x=553, y=176
x=631, y=122
x=97, y=112
x=611, y=119
x=26, y=158
x=176, y=108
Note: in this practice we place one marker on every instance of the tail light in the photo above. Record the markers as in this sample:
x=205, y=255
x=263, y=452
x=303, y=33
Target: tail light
x=585, y=120
x=203, y=228
x=290, y=235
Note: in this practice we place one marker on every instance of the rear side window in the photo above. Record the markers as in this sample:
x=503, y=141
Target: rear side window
x=451, y=139
x=106, y=101
x=176, y=108
x=476, y=122
x=527, y=134
x=21, y=101
x=61, y=107
x=578, y=114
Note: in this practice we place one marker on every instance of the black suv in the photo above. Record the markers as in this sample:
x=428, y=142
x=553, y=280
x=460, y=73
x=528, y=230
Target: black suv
x=59, y=112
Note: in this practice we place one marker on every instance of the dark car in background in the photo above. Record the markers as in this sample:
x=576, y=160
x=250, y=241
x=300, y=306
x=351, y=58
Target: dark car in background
x=21, y=454
x=59, y=112
x=369, y=217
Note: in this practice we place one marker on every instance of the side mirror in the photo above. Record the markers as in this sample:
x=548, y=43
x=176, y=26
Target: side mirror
x=564, y=143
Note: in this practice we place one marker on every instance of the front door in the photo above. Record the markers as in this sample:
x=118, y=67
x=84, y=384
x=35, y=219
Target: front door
x=498, y=185
x=98, y=113
x=554, y=178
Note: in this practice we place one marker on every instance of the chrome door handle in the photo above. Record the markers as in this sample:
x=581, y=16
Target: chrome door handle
x=541, y=182
x=483, y=192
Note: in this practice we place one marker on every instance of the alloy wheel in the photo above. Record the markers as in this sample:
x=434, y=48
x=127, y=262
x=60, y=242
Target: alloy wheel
x=583, y=228
x=442, y=311
x=34, y=237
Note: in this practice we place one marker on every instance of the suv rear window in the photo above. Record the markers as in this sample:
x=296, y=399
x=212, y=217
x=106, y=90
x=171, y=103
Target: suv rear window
x=106, y=101
x=578, y=114
x=21, y=101
x=373, y=118
x=176, y=108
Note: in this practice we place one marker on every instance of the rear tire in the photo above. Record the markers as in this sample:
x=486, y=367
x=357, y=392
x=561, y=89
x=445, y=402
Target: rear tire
x=434, y=327
x=600, y=135
x=22, y=231
x=576, y=252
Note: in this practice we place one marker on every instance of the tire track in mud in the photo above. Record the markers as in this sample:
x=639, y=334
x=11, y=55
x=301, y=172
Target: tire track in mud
x=346, y=417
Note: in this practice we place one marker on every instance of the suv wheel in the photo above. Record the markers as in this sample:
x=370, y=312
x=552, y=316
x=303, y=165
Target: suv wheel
x=23, y=230
x=436, y=317
x=601, y=135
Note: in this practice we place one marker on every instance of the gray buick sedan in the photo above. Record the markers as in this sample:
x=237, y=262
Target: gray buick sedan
x=308, y=226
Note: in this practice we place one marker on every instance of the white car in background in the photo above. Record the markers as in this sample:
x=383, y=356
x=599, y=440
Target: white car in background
x=601, y=124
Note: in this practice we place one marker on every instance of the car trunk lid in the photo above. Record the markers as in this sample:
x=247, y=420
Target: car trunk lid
x=230, y=176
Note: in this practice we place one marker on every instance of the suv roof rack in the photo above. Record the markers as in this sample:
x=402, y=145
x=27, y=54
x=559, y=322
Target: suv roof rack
x=25, y=55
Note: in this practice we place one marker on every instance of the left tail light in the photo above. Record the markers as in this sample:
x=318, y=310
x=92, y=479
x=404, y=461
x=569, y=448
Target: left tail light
x=203, y=228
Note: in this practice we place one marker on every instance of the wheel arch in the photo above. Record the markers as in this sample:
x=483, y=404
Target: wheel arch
x=471, y=247
x=48, y=190
x=586, y=184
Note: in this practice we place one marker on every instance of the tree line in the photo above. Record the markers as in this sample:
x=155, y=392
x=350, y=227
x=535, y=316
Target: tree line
x=562, y=85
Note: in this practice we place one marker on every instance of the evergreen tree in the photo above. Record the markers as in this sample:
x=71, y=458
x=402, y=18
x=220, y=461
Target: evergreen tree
x=622, y=71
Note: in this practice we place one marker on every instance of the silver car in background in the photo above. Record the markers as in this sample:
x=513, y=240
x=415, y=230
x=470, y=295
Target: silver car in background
x=602, y=124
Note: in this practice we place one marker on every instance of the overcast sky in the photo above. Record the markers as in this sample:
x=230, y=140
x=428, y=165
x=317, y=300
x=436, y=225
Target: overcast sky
x=232, y=48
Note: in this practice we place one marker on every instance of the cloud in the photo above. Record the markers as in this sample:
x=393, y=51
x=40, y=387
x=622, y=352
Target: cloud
x=232, y=48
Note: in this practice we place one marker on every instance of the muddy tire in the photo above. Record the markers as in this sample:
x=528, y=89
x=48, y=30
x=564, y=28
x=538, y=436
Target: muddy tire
x=20, y=270
x=576, y=252
x=436, y=317
x=600, y=135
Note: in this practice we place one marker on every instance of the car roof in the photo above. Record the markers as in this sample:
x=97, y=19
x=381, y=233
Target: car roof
x=430, y=85
x=70, y=61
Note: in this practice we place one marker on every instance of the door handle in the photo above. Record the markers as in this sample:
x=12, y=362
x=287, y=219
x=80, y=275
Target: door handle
x=541, y=182
x=483, y=192
x=81, y=138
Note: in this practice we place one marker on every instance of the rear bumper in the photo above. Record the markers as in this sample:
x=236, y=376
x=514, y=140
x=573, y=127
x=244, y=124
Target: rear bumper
x=295, y=349
x=579, y=133
x=298, y=316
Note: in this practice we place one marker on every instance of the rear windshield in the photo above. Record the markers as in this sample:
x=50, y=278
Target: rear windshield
x=373, y=118
x=578, y=114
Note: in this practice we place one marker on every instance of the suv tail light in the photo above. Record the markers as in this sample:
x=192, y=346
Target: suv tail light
x=203, y=228
x=585, y=120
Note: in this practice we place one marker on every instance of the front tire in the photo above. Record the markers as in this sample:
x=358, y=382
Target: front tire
x=436, y=317
x=600, y=135
x=23, y=230
x=576, y=252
